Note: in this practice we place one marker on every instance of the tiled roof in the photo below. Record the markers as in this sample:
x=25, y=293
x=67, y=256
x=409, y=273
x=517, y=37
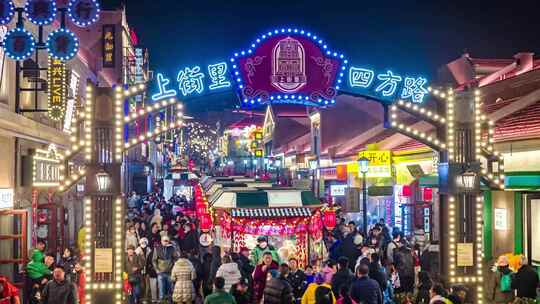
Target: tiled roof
x=519, y=125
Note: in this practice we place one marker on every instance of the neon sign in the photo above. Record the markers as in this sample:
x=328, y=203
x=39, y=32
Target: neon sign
x=193, y=81
x=386, y=86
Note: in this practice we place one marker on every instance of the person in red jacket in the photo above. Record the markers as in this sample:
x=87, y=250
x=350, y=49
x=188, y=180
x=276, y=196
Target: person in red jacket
x=260, y=275
x=9, y=294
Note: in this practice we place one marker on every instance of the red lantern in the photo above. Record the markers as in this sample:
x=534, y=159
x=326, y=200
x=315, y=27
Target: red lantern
x=329, y=219
x=428, y=194
x=205, y=223
x=406, y=191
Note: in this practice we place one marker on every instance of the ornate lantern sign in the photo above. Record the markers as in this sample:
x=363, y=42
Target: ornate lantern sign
x=83, y=12
x=288, y=66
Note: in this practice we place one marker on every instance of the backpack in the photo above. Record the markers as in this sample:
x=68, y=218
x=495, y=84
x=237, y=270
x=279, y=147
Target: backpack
x=506, y=282
x=323, y=295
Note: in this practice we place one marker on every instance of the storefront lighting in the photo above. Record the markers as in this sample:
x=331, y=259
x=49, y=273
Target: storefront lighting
x=466, y=181
x=313, y=164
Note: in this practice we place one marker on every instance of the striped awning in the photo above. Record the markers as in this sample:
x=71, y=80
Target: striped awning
x=270, y=212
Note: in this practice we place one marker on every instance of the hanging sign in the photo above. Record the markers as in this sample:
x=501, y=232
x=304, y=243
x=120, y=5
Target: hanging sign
x=46, y=168
x=338, y=190
x=109, y=45
x=288, y=66
x=62, y=44
x=40, y=12
x=56, y=75
x=6, y=198
x=7, y=10
x=83, y=12
x=19, y=44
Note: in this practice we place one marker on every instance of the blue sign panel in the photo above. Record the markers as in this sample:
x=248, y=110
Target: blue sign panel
x=7, y=10
x=40, y=12
x=192, y=81
x=19, y=44
x=62, y=44
x=83, y=12
x=385, y=85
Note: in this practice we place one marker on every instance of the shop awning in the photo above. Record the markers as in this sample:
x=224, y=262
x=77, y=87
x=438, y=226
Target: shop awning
x=270, y=212
x=262, y=198
x=522, y=180
x=431, y=181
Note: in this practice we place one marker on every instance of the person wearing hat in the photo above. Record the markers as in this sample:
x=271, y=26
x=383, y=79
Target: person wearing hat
x=244, y=263
x=163, y=261
x=133, y=265
x=261, y=248
x=149, y=283
x=277, y=289
x=501, y=283
x=318, y=289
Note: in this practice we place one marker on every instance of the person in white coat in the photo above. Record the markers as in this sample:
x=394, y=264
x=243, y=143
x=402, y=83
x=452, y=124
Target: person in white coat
x=229, y=271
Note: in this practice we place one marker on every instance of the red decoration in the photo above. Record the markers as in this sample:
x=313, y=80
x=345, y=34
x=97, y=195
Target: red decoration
x=428, y=194
x=341, y=172
x=329, y=219
x=406, y=191
x=205, y=223
x=201, y=209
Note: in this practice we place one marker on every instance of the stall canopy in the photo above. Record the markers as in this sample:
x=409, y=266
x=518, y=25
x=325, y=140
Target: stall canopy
x=267, y=198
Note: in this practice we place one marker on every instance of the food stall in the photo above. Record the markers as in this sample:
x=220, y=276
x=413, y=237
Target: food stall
x=292, y=219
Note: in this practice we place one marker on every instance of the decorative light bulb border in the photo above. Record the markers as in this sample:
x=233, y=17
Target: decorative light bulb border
x=9, y=11
x=17, y=33
x=285, y=97
x=38, y=18
x=71, y=49
x=93, y=15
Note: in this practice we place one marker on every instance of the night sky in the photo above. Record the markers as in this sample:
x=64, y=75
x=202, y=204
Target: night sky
x=410, y=37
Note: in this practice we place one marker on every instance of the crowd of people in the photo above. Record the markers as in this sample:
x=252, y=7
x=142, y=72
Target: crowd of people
x=165, y=263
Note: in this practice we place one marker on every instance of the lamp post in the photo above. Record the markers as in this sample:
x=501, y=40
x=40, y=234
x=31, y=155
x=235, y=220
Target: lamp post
x=313, y=167
x=254, y=168
x=466, y=181
x=278, y=168
x=245, y=166
x=363, y=166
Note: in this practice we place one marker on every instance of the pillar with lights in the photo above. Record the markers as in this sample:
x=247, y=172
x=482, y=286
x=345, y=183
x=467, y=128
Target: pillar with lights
x=463, y=136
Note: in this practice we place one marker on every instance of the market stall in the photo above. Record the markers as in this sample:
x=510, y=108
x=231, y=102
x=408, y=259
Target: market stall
x=291, y=219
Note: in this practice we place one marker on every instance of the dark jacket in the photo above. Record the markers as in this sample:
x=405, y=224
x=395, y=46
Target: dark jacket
x=423, y=295
x=60, y=293
x=278, y=291
x=245, y=266
x=404, y=263
x=216, y=262
x=367, y=291
x=526, y=282
x=68, y=263
x=495, y=294
x=348, y=249
x=136, y=261
x=341, y=278
x=298, y=282
x=190, y=241
x=241, y=298
x=164, y=258
x=259, y=279
x=378, y=273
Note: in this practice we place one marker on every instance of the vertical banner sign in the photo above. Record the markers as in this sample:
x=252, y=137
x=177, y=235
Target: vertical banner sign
x=56, y=74
x=109, y=45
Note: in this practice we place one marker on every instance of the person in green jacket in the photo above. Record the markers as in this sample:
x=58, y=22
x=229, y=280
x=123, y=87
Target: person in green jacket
x=261, y=248
x=220, y=296
x=37, y=268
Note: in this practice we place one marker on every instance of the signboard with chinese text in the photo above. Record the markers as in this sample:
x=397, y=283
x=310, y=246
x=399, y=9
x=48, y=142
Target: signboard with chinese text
x=56, y=74
x=46, y=168
x=338, y=190
x=6, y=198
x=109, y=45
x=103, y=260
x=288, y=66
x=464, y=255
x=379, y=163
x=501, y=219
x=385, y=85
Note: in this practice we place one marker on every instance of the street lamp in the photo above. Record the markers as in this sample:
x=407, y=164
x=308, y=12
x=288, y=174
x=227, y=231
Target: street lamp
x=278, y=168
x=103, y=180
x=245, y=166
x=363, y=167
x=466, y=181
